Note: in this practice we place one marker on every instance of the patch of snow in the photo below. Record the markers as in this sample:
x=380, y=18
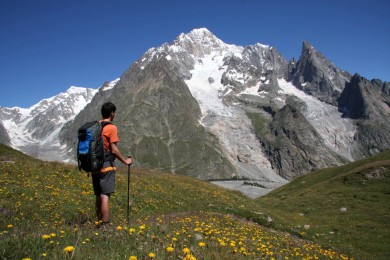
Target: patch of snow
x=262, y=45
x=253, y=91
x=111, y=85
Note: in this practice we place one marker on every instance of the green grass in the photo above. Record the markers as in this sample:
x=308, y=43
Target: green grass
x=48, y=207
x=346, y=207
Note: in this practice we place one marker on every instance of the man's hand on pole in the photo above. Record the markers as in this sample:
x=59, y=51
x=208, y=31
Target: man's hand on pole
x=129, y=160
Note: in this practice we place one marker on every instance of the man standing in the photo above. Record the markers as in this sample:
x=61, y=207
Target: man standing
x=104, y=181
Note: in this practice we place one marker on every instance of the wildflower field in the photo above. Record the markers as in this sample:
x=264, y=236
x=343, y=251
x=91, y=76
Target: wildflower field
x=47, y=212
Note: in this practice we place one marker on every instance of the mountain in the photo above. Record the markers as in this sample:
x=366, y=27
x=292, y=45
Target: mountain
x=368, y=103
x=200, y=107
x=35, y=130
x=317, y=76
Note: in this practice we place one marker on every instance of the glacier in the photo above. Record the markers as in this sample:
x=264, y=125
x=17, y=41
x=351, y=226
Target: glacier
x=233, y=128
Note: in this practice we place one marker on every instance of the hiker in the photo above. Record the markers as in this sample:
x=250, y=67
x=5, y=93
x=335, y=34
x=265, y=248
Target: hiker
x=104, y=181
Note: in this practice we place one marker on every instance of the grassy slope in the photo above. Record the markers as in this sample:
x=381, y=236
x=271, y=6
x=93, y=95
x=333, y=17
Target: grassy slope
x=45, y=207
x=346, y=207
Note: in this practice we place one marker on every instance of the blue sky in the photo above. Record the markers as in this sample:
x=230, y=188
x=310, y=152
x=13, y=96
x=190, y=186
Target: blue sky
x=46, y=46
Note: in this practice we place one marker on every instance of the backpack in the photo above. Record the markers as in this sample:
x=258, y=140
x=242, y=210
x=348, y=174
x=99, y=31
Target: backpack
x=90, y=148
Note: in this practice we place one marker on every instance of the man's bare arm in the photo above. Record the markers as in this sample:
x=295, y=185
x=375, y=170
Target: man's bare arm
x=118, y=154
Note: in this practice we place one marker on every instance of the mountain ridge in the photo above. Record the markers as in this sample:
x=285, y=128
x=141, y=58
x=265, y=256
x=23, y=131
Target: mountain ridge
x=35, y=130
x=202, y=98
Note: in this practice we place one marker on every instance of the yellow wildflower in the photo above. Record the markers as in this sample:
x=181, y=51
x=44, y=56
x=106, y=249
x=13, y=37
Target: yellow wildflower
x=202, y=244
x=10, y=226
x=118, y=228
x=152, y=255
x=132, y=257
x=170, y=249
x=69, y=249
x=186, y=250
x=189, y=257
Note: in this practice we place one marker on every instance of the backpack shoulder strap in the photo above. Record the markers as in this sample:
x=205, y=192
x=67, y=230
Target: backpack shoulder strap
x=87, y=125
x=108, y=156
x=104, y=123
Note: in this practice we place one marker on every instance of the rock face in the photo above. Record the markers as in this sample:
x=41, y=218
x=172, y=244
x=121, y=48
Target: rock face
x=200, y=107
x=4, y=138
x=317, y=76
x=368, y=103
x=294, y=146
x=364, y=99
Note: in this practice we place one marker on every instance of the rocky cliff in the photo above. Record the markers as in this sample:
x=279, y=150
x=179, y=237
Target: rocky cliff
x=317, y=76
x=368, y=103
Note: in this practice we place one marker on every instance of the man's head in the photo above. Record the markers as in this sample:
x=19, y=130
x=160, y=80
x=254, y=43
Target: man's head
x=108, y=110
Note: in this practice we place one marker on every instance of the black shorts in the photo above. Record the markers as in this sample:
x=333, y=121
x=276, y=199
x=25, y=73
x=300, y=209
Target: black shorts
x=103, y=183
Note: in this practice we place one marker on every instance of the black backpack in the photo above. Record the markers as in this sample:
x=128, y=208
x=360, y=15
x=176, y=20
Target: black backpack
x=90, y=148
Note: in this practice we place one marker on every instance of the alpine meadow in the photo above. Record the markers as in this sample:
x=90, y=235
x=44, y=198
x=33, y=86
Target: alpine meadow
x=336, y=213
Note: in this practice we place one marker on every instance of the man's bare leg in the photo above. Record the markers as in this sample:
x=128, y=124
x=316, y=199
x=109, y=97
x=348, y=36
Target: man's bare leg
x=102, y=208
x=98, y=205
x=105, y=207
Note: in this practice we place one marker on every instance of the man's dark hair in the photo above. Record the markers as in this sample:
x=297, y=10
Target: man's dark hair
x=107, y=108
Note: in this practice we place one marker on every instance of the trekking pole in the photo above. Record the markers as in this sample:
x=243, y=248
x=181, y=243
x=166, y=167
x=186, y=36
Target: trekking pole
x=128, y=192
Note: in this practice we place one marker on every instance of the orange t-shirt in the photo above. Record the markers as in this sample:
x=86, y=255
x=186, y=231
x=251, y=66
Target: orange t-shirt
x=110, y=135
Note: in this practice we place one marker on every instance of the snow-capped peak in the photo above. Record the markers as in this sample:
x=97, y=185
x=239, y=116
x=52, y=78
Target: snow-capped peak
x=70, y=93
x=200, y=42
x=39, y=126
x=198, y=35
x=75, y=90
